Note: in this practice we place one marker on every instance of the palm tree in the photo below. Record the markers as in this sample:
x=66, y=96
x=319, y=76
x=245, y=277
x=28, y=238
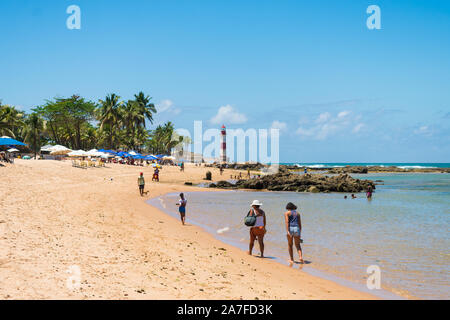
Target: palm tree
x=32, y=131
x=163, y=139
x=109, y=115
x=146, y=108
x=132, y=120
x=10, y=120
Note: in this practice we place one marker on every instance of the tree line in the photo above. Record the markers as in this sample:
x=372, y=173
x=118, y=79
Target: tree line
x=77, y=123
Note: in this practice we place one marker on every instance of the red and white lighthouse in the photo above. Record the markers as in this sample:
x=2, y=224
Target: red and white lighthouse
x=223, y=146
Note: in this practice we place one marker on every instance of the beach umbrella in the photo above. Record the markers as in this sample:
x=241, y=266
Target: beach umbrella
x=12, y=150
x=59, y=150
x=150, y=157
x=7, y=141
x=106, y=155
x=94, y=153
x=47, y=148
x=77, y=153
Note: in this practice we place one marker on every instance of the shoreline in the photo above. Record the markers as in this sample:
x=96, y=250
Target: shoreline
x=55, y=217
x=379, y=294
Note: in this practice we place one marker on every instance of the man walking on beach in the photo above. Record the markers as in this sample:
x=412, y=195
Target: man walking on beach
x=141, y=184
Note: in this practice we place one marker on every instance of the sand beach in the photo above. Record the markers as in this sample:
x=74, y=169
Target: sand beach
x=54, y=217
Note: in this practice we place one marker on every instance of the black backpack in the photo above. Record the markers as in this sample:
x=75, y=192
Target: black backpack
x=250, y=220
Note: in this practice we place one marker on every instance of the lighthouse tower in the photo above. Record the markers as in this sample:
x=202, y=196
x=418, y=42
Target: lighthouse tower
x=223, y=146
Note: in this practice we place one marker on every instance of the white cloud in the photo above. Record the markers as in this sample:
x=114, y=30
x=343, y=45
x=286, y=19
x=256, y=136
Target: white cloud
x=167, y=105
x=343, y=114
x=358, y=127
x=282, y=126
x=323, y=117
x=327, y=125
x=227, y=114
x=423, y=130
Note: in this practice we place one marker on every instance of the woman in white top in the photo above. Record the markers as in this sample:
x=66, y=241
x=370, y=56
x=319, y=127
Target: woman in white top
x=259, y=229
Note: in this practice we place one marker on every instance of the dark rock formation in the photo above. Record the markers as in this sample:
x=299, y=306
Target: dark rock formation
x=286, y=181
x=349, y=169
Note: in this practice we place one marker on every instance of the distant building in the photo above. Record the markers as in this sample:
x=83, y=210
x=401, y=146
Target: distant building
x=223, y=145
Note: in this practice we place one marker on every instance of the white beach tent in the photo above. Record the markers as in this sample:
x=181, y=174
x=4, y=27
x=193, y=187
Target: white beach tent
x=77, y=153
x=47, y=148
x=106, y=155
x=94, y=153
x=59, y=150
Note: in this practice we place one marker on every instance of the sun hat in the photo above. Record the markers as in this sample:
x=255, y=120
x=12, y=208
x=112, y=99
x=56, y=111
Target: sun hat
x=256, y=203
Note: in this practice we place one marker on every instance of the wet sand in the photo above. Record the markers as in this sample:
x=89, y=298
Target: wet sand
x=54, y=217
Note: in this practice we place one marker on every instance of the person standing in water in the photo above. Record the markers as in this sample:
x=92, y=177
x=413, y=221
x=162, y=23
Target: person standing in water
x=294, y=229
x=369, y=192
x=141, y=184
x=182, y=208
x=259, y=229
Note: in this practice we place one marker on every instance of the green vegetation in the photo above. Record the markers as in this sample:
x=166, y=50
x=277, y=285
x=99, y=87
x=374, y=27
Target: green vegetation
x=81, y=124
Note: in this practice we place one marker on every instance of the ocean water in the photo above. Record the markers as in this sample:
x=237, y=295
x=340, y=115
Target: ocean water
x=404, y=230
x=381, y=164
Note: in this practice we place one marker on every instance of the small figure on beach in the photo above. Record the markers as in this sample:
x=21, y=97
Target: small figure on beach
x=294, y=230
x=353, y=196
x=306, y=170
x=248, y=173
x=182, y=167
x=369, y=193
x=156, y=175
x=221, y=170
x=141, y=184
x=182, y=208
x=259, y=229
x=240, y=176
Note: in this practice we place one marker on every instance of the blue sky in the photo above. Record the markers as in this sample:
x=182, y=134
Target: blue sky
x=339, y=91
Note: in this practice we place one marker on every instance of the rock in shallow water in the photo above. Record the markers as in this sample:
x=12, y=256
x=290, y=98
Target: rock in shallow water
x=286, y=181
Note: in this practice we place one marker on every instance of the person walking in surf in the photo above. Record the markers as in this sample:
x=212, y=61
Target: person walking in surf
x=182, y=208
x=259, y=229
x=294, y=230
